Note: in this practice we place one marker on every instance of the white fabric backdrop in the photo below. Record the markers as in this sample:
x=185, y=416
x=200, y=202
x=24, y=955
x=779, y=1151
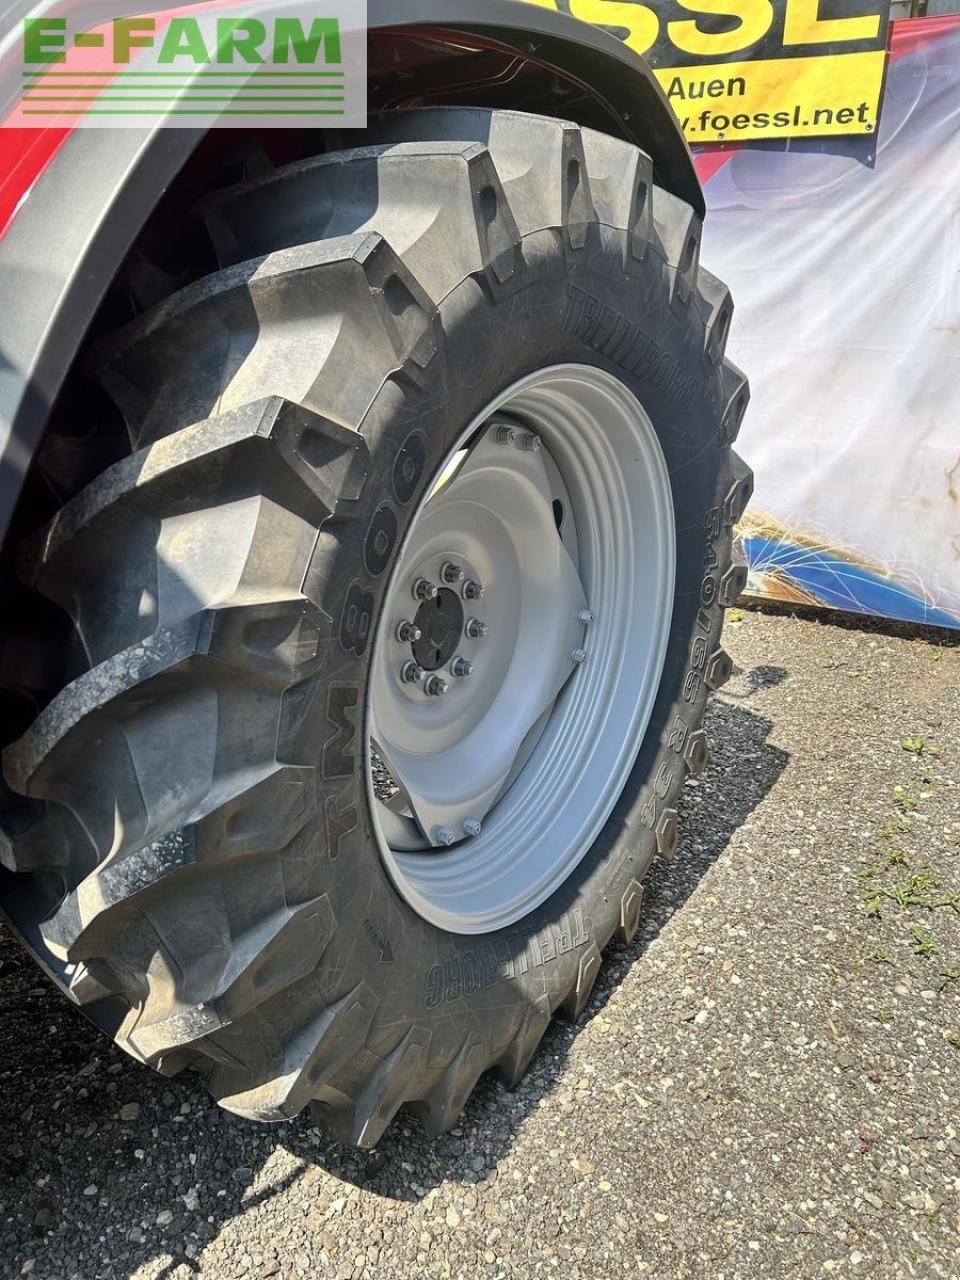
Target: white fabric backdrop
x=845, y=272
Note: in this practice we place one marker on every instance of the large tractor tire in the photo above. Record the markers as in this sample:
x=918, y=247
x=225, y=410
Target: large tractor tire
x=397, y=621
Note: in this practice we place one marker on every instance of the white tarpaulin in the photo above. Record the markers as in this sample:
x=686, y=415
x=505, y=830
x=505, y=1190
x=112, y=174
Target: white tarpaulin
x=844, y=263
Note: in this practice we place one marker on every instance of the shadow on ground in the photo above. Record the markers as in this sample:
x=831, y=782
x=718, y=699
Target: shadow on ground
x=81, y=1190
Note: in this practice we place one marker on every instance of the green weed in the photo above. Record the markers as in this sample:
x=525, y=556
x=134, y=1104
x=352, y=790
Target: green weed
x=924, y=943
x=905, y=800
x=917, y=890
x=919, y=746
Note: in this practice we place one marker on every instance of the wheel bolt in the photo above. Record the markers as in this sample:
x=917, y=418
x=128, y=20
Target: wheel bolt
x=471, y=827
x=475, y=629
x=435, y=686
x=446, y=836
x=424, y=590
x=461, y=667
x=579, y=655
x=507, y=435
x=411, y=672
x=585, y=616
x=408, y=631
x=451, y=573
x=472, y=590
x=530, y=442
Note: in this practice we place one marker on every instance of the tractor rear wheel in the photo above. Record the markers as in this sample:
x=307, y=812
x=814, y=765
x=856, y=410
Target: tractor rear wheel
x=398, y=620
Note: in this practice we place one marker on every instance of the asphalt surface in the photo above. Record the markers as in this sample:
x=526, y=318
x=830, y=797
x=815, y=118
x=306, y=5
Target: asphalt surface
x=766, y=1084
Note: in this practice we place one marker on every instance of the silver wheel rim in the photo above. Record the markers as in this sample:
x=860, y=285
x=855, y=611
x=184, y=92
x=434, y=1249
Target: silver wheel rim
x=487, y=795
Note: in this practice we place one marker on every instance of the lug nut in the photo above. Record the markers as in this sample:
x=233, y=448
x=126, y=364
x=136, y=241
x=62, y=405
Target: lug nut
x=424, y=590
x=451, y=573
x=579, y=655
x=411, y=672
x=472, y=590
x=585, y=616
x=435, y=686
x=530, y=442
x=408, y=631
x=475, y=629
x=471, y=827
x=507, y=435
x=461, y=667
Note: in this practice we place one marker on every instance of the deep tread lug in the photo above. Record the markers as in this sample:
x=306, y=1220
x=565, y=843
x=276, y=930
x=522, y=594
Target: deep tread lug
x=227, y=333
x=732, y=584
x=576, y=199
x=92, y=692
x=719, y=669
x=621, y=184
x=401, y=1077
x=280, y=639
x=470, y=229
x=630, y=907
x=440, y=1110
x=35, y=835
x=576, y=999
x=719, y=314
x=513, y=1063
x=678, y=230
x=207, y=636
x=89, y=983
x=162, y=479
x=283, y=948
x=540, y=160
x=739, y=493
x=262, y=819
x=696, y=752
x=668, y=836
x=297, y=459
x=736, y=397
x=307, y=1061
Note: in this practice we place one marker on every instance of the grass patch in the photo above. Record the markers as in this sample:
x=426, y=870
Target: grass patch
x=905, y=800
x=924, y=943
x=918, y=890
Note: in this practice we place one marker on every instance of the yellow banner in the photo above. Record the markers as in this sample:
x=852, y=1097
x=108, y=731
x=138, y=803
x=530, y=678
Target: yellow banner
x=739, y=70
x=785, y=98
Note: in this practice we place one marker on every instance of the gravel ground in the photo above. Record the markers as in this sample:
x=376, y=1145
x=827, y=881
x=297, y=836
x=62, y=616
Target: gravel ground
x=767, y=1084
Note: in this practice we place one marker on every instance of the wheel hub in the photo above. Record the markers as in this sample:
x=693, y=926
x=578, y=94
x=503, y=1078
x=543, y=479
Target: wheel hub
x=440, y=622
